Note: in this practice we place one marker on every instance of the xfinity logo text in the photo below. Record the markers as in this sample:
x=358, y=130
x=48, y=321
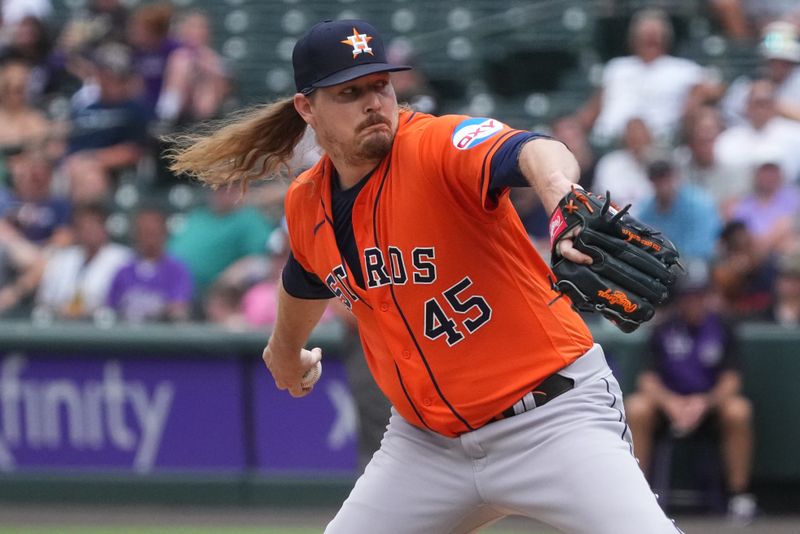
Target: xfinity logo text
x=84, y=415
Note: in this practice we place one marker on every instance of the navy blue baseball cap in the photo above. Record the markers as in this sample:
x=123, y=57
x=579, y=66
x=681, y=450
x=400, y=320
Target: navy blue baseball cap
x=334, y=52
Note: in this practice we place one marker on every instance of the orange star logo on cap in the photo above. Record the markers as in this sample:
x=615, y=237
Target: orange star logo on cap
x=359, y=42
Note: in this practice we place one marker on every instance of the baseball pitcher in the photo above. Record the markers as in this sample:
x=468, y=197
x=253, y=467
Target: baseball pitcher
x=502, y=402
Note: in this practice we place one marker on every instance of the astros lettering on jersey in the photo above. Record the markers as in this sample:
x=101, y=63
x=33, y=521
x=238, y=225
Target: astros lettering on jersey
x=452, y=282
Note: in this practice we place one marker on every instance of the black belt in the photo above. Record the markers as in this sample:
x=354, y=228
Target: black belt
x=550, y=388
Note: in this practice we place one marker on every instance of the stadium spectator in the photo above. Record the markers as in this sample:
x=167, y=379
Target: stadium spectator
x=260, y=302
x=31, y=42
x=215, y=236
x=109, y=134
x=153, y=286
x=744, y=276
x=693, y=381
x=100, y=22
x=696, y=161
x=71, y=67
x=650, y=84
x=23, y=126
x=108, y=18
x=21, y=267
x=77, y=278
x=764, y=130
x=770, y=209
x=785, y=310
x=731, y=18
x=15, y=11
x=41, y=217
x=148, y=34
x=195, y=81
x=741, y=19
x=623, y=171
x=223, y=306
x=780, y=51
x=681, y=211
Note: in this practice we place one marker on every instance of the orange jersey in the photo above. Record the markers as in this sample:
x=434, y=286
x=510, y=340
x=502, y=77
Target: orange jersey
x=455, y=318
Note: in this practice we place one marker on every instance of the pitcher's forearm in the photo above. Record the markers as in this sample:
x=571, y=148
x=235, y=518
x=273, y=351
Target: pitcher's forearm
x=550, y=168
x=295, y=321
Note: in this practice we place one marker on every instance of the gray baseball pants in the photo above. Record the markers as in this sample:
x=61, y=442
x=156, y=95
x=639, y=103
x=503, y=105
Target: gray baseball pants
x=568, y=463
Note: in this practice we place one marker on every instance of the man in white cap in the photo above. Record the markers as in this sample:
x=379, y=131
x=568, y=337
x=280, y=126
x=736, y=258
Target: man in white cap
x=780, y=50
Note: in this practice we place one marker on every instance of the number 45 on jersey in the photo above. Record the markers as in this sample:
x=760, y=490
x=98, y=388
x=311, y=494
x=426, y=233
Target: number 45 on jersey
x=454, y=313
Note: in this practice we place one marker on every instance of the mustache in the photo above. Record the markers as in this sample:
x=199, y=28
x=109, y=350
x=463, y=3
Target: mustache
x=372, y=120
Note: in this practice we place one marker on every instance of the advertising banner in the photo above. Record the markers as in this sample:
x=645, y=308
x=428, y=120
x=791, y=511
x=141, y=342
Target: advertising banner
x=142, y=415
x=313, y=433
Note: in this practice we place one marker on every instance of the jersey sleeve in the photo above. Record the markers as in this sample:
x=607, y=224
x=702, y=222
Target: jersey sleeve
x=298, y=277
x=458, y=150
x=302, y=284
x=504, y=170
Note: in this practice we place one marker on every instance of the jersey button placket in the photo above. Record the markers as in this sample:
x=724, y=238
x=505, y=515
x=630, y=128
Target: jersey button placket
x=384, y=306
x=406, y=354
x=427, y=401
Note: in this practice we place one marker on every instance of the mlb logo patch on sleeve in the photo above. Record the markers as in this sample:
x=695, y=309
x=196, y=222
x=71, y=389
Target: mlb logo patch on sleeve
x=473, y=132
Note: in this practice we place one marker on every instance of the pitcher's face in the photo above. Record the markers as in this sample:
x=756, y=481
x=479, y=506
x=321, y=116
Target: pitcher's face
x=356, y=120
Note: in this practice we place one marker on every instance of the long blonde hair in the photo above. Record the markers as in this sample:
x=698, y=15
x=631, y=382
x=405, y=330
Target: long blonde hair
x=254, y=143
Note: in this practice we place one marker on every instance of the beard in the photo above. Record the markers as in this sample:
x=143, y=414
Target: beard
x=376, y=143
x=375, y=146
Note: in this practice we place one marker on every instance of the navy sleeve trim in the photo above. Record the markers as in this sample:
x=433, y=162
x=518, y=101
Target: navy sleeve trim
x=302, y=284
x=504, y=169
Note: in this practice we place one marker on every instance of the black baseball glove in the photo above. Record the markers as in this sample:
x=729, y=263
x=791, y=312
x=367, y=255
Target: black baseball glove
x=633, y=266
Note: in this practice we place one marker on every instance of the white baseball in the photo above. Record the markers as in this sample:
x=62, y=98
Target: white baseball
x=312, y=375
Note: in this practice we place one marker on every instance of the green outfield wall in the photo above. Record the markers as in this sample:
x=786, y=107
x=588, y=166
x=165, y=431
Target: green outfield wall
x=187, y=414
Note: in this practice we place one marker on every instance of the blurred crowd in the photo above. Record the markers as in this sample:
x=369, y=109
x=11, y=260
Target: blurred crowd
x=715, y=166
x=711, y=163
x=84, y=107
